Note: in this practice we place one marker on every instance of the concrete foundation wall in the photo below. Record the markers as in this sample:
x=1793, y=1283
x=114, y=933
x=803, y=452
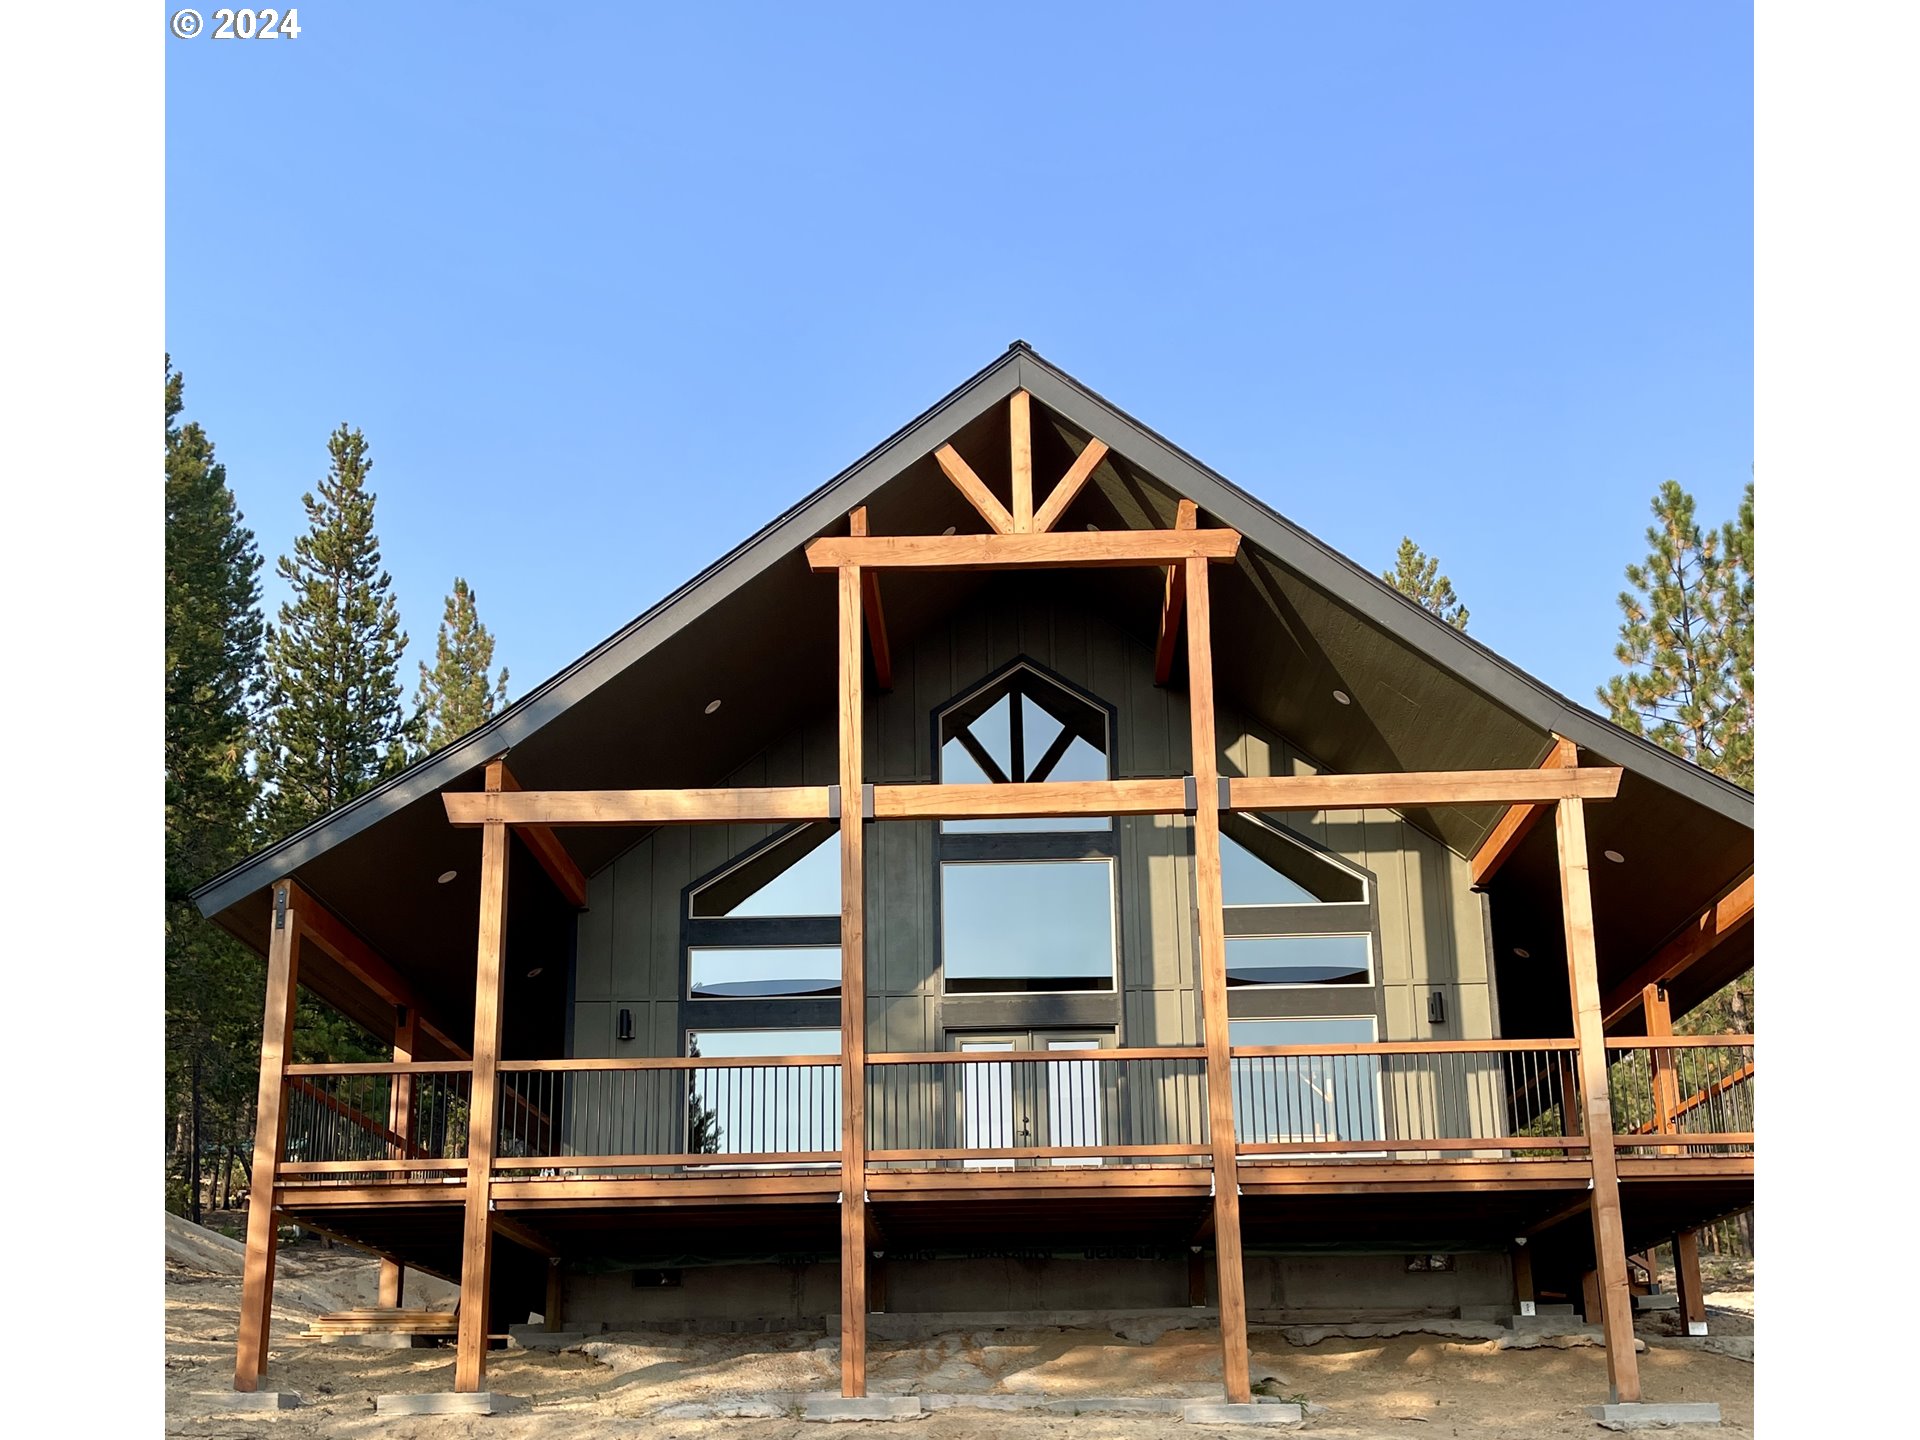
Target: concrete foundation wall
x=1279, y=1287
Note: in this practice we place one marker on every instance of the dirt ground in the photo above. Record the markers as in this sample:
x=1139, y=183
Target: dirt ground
x=1410, y=1385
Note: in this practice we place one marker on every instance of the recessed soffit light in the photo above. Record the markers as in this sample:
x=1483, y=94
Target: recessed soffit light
x=712, y=705
x=1343, y=697
x=950, y=529
x=534, y=974
x=1523, y=952
x=1615, y=856
x=447, y=876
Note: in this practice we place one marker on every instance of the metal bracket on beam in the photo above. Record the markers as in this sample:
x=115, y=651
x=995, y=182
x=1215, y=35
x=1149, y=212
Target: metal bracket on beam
x=833, y=802
x=866, y=802
x=279, y=907
x=1226, y=793
x=1192, y=797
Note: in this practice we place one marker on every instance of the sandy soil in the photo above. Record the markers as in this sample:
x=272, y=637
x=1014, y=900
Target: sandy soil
x=1404, y=1386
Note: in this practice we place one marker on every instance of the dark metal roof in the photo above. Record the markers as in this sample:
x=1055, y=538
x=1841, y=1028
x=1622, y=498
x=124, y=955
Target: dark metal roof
x=1349, y=586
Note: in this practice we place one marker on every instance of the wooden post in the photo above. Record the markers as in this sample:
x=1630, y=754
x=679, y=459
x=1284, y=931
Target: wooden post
x=1020, y=424
x=269, y=1135
x=1209, y=901
x=1522, y=1278
x=1666, y=1085
x=1583, y=968
x=1196, y=1278
x=483, y=1106
x=1590, y=1306
x=556, y=1293
x=406, y=1029
x=877, y=1284
x=1686, y=1280
x=853, y=1001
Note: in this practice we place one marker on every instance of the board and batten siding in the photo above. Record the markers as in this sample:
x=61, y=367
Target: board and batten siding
x=1432, y=932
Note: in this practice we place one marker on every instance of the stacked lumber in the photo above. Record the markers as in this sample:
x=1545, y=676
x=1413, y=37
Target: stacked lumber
x=383, y=1320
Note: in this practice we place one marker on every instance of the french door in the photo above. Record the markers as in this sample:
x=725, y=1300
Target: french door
x=1031, y=1104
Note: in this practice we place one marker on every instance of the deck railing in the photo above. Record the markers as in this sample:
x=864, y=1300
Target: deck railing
x=360, y=1122
x=563, y=1116
x=1682, y=1094
x=1004, y=1109
x=1406, y=1100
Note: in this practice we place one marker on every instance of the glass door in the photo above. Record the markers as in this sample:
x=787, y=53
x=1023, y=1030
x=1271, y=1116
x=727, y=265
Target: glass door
x=1031, y=1104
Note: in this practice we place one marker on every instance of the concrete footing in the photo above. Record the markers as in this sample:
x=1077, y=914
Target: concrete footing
x=1220, y=1412
x=255, y=1399
x=443, y=1402
x=1654, y=1417
x=537, y=1337
x=831, y=1409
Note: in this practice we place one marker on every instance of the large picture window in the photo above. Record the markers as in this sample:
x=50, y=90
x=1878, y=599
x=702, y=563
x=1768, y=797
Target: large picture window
x=1295, y=915
x=1282, y=1099
x=1026, y=905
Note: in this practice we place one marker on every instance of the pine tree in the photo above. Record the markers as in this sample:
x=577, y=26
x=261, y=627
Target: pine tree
x=1416, y=575
x=213, y=633
x=334, y=725
x=1676, y=688
x=1736, y=618
x=456, y=696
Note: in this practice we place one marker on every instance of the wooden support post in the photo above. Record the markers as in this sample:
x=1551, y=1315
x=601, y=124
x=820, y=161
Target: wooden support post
x=483, y=1113
x=1686, y=1281
x=556, y=1293
x=1173, y=602
x=269, y=1135
x=853, y=1000
x=1522, y=1279
x=1609, y=1242
x=1590, y=1306
x=876, y=1282
x=876, y=616
x=1231, y=1280
x=1196, y=1278
x=1666, y=1084
x=1020, y=427
x=406, y=1031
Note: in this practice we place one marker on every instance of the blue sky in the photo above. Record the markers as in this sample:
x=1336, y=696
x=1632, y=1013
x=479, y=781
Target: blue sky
x=609, y=286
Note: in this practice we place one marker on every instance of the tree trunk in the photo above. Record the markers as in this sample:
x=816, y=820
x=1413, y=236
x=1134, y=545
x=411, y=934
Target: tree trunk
x=193, y=1151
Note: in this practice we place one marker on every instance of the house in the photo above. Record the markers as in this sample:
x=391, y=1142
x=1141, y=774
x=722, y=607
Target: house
x=1028, y=874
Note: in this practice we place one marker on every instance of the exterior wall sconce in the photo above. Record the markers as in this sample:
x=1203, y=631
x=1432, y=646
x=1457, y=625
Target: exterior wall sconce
x=625, y=1031
x=1437, y=1008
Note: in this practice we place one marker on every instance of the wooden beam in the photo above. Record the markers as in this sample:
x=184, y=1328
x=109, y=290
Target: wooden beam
x=1609, y=1242
x=1053, y=551
x=1699, y=938
x=1020, y=432
x=489, y=989
x=360, y=960
x=1070, y=486
x=1050, y=798
x=548, y=852
x=974, y=488
x=877, y=644
x=269, y=1135
x=1209, y=902
x=1418, y=789
x=744, y=805
x=853, y=1001
x=525, y=1238
x=1173, y=603
x=1514, y=826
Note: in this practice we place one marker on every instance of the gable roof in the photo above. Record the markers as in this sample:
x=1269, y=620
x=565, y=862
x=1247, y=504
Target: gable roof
x=1352, y=588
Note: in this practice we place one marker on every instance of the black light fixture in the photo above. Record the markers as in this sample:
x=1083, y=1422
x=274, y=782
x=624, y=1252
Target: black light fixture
x=625, y=1031
x=1437, y=1008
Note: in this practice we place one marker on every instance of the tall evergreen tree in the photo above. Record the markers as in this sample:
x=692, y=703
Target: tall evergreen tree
x=334, y=723
x=1417, y=576
x=1736, y=616
x=1676, y=687
x=457, y=695
x=213, y=632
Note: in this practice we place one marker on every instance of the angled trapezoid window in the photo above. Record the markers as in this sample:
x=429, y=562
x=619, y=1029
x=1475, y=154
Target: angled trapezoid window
x=767, y=924
x=1263, y=864
x=1024, y=727
x=1295, y=915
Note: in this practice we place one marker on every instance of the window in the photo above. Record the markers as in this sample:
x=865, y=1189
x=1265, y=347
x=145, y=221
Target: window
x=1023, y=728
x=766, y=926
x=1026, y=905
x=755, y=1110
x=1294, y=914
x=1288, y=1099
x=1025, y=1104
x=1009, y=927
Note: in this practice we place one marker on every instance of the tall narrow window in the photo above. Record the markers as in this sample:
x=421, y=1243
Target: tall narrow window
x=1026, y=905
